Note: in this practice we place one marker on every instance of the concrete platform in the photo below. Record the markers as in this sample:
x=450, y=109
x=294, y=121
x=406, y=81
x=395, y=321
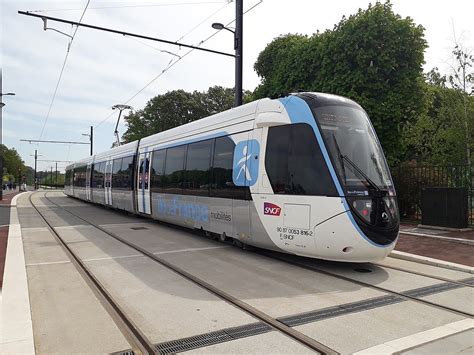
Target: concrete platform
x=343, y=315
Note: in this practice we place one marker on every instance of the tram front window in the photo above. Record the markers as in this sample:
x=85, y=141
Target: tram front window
x=356, y=153
x=360, y=165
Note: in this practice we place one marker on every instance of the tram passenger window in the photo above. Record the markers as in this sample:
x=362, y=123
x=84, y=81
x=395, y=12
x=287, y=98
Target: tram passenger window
x=116, y=176
x=294, y=162
x=174, y=169
x=157, y=167
x=100, y=175
x=67, y=178
x=198, y=162
x=80, y=176
x=126, y=172
x=276, y=158
x=93, y=173
x=222, y=184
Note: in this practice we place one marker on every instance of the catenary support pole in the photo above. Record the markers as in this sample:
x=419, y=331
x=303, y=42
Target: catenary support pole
x=92, y=140
x=36, y=176
x=239, y=16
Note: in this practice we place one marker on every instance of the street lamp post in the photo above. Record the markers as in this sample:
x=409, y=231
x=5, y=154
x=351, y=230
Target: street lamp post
x=91, y=137
x=238, y=46
x=120, y=108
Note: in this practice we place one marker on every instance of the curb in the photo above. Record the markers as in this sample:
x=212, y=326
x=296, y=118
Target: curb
x=16, y=321
x=431, y=261
x=448, y=239
x=448, y=229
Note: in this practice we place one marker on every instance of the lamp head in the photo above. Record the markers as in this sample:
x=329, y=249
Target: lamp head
x=122, y=107
x=217, y=26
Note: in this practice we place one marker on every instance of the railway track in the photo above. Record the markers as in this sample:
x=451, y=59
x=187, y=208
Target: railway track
x=457, y=282
x=283, y=325
x=137, y=340
x=142, y=343
x=404, y=295
x=300, y=263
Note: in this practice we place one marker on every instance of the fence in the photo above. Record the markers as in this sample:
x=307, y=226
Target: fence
x=409, y=181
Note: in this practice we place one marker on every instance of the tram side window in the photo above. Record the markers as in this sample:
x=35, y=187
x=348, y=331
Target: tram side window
x=80, y=176
x=99, y=175
x=116, y=176
x=93, y=175
x=174, y=169
x=198, y=163
x=294, y=162
x=67, y=178
x=222, y=184
x=126, y=172
x=157, y=170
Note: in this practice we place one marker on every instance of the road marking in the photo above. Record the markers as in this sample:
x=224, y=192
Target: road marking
x=113, y=257
x=420, y=338
x=35, y=229
x=4, y=225
x=123, y=224
x=74, y=227
x=190, y=249
x=50, y=263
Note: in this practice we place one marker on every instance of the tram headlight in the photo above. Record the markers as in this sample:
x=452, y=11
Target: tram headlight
x=380, y=212
x=391, y=207
x=364, y=209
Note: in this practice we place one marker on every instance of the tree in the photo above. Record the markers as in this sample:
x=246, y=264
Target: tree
x=461, y=79
x=176, y=108
x=13, y=164
x=442, y=134
x=436, y=137
x=374, y=57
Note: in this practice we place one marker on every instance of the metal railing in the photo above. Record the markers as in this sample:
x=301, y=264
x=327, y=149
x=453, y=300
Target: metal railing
x=410, y=180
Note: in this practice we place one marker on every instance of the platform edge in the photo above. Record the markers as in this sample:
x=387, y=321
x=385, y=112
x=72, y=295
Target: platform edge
x=17, y=327
x=431, y=261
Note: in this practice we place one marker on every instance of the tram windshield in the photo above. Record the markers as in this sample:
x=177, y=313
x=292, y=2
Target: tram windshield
x=355, y=150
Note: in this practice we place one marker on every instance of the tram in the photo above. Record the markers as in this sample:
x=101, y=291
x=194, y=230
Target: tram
x=303, y=174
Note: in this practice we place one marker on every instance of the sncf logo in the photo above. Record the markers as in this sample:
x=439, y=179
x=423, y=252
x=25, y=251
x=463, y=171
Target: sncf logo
x=271, y=209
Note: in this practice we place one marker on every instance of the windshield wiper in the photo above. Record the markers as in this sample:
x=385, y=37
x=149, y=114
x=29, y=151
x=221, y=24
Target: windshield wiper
x=341, y=158
x=372, y=184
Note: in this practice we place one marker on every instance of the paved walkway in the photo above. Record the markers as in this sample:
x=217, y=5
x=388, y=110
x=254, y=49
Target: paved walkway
x=413, y=229
x=453, y=246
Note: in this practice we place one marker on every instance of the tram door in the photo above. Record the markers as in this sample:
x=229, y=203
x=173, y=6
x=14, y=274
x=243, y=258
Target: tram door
x=88, y=182
x=108, y=182
x=143, y=183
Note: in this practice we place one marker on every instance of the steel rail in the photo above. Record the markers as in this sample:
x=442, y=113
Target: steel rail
x=419, y=273
x=274, y=323
x=137, y=340
x=366, y=284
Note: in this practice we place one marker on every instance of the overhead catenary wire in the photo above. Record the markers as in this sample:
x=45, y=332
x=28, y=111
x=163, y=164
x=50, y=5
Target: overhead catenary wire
x=169, y=65
x=183, y=36
x=61, y=72
x=136, y=6
x=173, y=63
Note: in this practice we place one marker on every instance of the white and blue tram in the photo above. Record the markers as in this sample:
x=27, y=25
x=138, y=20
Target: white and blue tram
x=304, y=174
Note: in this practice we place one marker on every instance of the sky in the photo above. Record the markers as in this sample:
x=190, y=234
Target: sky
x=104, y=69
